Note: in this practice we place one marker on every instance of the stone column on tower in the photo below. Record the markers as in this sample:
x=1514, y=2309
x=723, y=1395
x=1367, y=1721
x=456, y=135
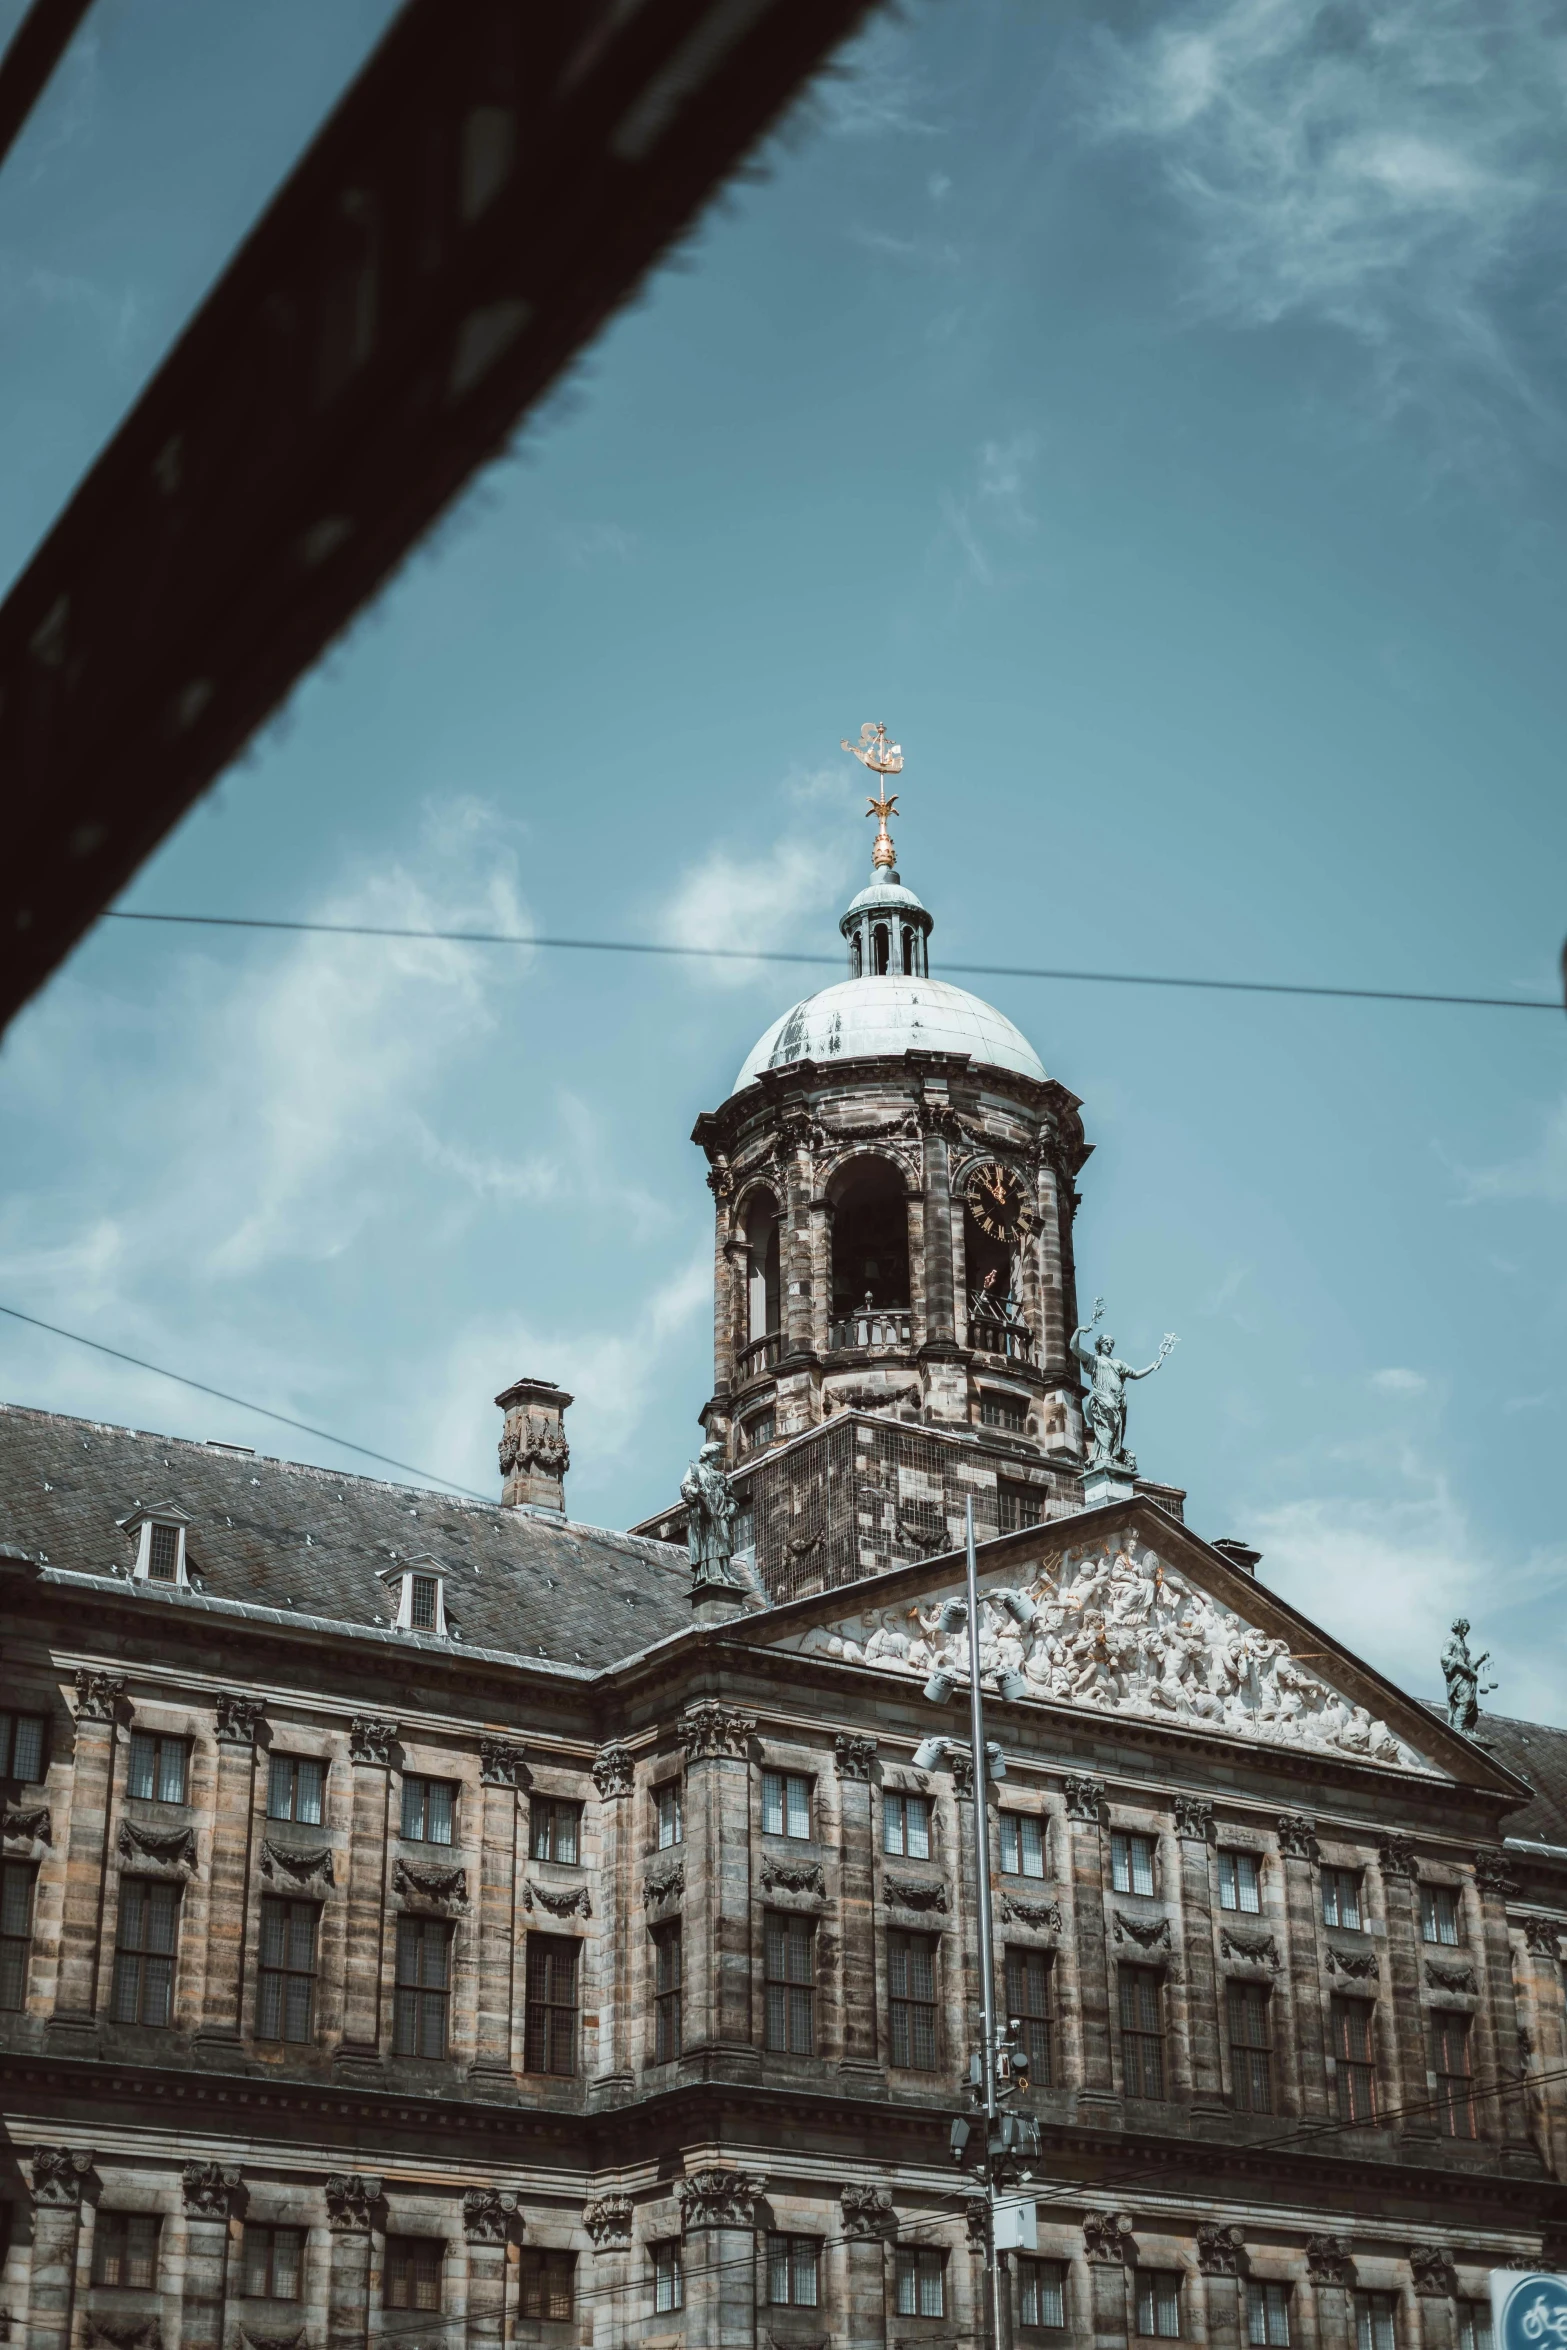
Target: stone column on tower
x=534, y=1454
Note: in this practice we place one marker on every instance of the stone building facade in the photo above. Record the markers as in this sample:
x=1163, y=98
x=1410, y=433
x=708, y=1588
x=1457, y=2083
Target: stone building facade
x=418, y=1930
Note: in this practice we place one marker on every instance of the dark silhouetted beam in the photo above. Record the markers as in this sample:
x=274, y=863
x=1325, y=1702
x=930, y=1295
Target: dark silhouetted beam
x=494, y=185
x=32, y=53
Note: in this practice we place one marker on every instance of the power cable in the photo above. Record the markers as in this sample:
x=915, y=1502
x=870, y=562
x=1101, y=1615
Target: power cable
x=643, y=946
x=427, y=1476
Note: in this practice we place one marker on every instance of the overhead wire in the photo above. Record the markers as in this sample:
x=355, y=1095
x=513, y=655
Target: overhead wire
x=664, y=948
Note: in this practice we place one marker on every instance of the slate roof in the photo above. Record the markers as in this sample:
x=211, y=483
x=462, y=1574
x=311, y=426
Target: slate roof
x=275, y=1533
x=1537, y=1752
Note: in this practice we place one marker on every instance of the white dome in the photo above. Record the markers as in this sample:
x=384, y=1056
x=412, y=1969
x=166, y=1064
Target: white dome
x=859, y=1018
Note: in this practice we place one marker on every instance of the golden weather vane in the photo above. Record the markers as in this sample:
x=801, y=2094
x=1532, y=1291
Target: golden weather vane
x=880, y=757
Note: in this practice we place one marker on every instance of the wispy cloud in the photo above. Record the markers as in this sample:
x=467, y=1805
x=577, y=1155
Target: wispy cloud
x=769, y=897
x=1398, y=1382
x=588, y=544
x=993, y=504
x=1538, y=1174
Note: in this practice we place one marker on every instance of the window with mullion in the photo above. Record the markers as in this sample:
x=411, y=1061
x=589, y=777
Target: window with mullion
x=667, y=1969
x=921, y=2281
x=1131, y=1863
x=423, y=1987
x=296, y=1785
x=786, y=1804
x=1439, y=1914
x=793, y=2271
x=1022, y=1844
x=125, y=2249
x=1354, y=2053
x=1455, y=2111
x=1041, y=2294
x=1475, y=2331
x=16, y=1931
x=668, y=1814
x=911, y=1991
x=413, y=2272
x=1267, y=2316
x=1028, y=2000
x=550, y=2038
x=1251, y=2060
x=548, y=2285
x=285, y=2005
x=553, y=1829
x=669, y=2284
x=146, y=1942
x=789, y=1969
x=1240, y=1882
x=273, y=2263
x=1159, y=2303
x=905, y=1825
x=1141, y=1995
x=22, y=1747
x=1376, y=2321
x=429, y=1808
x=1341, y=1904
x=158, y=1767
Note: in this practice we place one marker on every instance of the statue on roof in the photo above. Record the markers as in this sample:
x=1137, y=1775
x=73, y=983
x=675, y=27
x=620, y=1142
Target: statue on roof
x=1104, y=1408
x=712, y=1513
x=1461, y=1672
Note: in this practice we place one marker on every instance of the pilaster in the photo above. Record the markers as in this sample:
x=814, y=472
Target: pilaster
x=861, y=2055
x=209, y=2192
x=614, y=1776
x=868, y=2222
x=370, y=1748
x=1499, y=2021
x=502, y=1772
x=98, y=1700
x=1543, y=1980
x=717, y=1998
x=608, y=2220
x=351, y=2198
x=1107, y=2243
x=1193, y=1823
x=1297, y=1844
x=487, y=2220
x=58, y=2176
x=1397, y=1865
x=718, y=2222
x=228, y=1899
x=1096, y=2099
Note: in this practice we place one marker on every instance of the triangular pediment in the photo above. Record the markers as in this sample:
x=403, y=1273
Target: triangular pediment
x=1119, y=1627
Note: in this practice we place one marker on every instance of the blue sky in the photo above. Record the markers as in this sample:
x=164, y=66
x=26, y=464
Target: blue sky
x=1155, y=415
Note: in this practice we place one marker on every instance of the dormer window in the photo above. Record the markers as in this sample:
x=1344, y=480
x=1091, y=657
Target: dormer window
x=418, y=1589
x=159, y=1535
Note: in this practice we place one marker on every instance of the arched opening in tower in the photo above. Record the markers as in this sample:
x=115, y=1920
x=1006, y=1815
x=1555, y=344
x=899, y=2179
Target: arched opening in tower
x=881, y=950
x=870, y=1239
x=990, y=1269
x=762, y=1286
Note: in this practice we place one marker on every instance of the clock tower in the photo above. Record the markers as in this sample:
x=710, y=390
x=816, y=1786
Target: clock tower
x=893, y=1175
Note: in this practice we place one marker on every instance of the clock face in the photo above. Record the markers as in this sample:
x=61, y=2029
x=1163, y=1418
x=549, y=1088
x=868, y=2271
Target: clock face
x=999, y=1203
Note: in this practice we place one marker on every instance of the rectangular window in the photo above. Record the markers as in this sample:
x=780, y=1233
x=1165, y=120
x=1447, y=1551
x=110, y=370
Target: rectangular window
x=16, y=1931
x=1022, y=1844
x=1354, y=2051
x=551, y=2036
x=145, y=1944
x=666, y=1991
x=786, y=1804
x=163, y=1553
x=790, y=1968
x=922, y=2281
x=1341, y=1898
x=1018, y=1506
x=793, y=2264
x=285, y=2008
x=1131, y=1863
x=1240, y=1882
x=413, y=2272
x=1251, y=2063
x=296, y=1787
x=911, y=1988
x=1454, y=2089
x=429, y=1806
x=1028, y=2000
x=125, y=2249
x=760, y=1429
x=1268, y=2316
x=423, y=1986
x=548, y=2284
x=1376, y=2321
x=1439, y=1913
x=1474, y=2325
x=424, y=1603
x=669, y=2284
x=667, y=1812
x=22, y=1747
x=1159, y=2302
x=554, y=1829
x=905, y=1825
x=1041, y=2293
x=274, y=2263
x=999, y=1411
x=1141, y=1991
x=158, y=1767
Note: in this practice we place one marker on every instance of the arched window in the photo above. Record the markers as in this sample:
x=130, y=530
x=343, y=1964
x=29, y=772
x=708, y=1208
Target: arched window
x=762, y=1287
x=857, y=956
x=908, y=948
x=870, y=1244
x=881, y=947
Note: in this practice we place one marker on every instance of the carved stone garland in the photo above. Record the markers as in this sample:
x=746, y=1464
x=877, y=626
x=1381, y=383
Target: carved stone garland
x=666, y=1883
x=27, y=1825
x=1250, y=1949
x=1044, y=1914
x=156, y=1848
x=447, y=1887
x=918, y=1893
x=281, y=1864
x=1359, y=1965
x=1451, y=1978
x=787, y=1876
x=560, y=1902
x=1147, y=1933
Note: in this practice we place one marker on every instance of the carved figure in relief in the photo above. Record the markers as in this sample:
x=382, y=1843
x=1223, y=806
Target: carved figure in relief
x=1104, y=1408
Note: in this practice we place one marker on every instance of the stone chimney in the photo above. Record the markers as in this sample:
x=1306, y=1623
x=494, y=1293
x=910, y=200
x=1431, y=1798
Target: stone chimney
x=1239, y=1554
x=534, y=1453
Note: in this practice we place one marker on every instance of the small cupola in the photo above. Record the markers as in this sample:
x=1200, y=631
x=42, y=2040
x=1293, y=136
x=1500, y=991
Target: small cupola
x=418, y=1590
x=886, y=927
x=159, y=1534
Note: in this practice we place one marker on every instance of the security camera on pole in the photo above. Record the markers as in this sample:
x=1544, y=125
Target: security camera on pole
x=1000, y=2066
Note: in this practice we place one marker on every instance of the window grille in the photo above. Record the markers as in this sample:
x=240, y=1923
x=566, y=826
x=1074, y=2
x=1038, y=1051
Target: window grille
x=553, y=1829
x=551, y=2036
x=905, y=1825
x=760, y=1429
x=1268, y=2316
x=424, y=1603
x=1041, y=2293
x=1022, y=1844
x=786, y=1804
x=413, y=2272
x=1251, y=2061
x=16, y=1931
x=1018, y=1506
x=1341, y=1898
x=1159, y=2302
x=125, y=2249
x=423, y=1988
x=790, y=1968
x=548, y=2284
x=1454, y=2088
x=159, y=1767
x=668, y=1812
x=1131, y=1863
x=429, y=1809
x=1240, y=1882
x=1028, y=1999
x=274, y=2263
x=145, y=1945
x=22, y=1747
x=922, y=2281
x=667, y=1969
x=793, y=2269
x=1439, y=1913
x=1354, y=2052
x=999, y=1411
x=911, y=1984
x=1141, y=1990
x=163, y=1553
x=1474, y=2326
x=669, y=2284
x=296, y=1789
x=1376, y=2321
x=285, y=2008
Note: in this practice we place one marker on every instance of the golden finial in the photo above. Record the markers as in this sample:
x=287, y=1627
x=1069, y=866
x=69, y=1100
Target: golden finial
x=882, y=758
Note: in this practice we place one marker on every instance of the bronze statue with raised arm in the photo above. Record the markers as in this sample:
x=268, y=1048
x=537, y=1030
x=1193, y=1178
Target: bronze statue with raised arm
x=1104, y=1407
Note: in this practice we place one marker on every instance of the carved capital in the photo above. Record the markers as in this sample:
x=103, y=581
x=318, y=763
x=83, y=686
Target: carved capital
x=1431, y=2266
x=487, y=2215
x=1193, y=1818
x=209, y=2190
x=665, y=1883
x=283, y=1865
x=1107, y=2237
x=1327, y=2261
x=446, y=1888
x=1491, y=1872
x=156, y=1848
x=1543, y=1936
x=1396, y=1857
x=918, y=1893
x=1297, y=1835
x=613, y=1772
x=854, y=1756
x=1084, y=1798
x=1219, y=2249
x=867, y=2211
x=501, y=1764
x=709, y=1731
x=370, y=1740
x=58, y=2174
x=351, y=2198
x=98, y=1695
x=608, y=2220
x=716, y=2198
x=239, y=1717
x=963, y=1777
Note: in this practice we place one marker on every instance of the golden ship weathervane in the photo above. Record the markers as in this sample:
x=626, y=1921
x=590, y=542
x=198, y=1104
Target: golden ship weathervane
x=880, y=757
